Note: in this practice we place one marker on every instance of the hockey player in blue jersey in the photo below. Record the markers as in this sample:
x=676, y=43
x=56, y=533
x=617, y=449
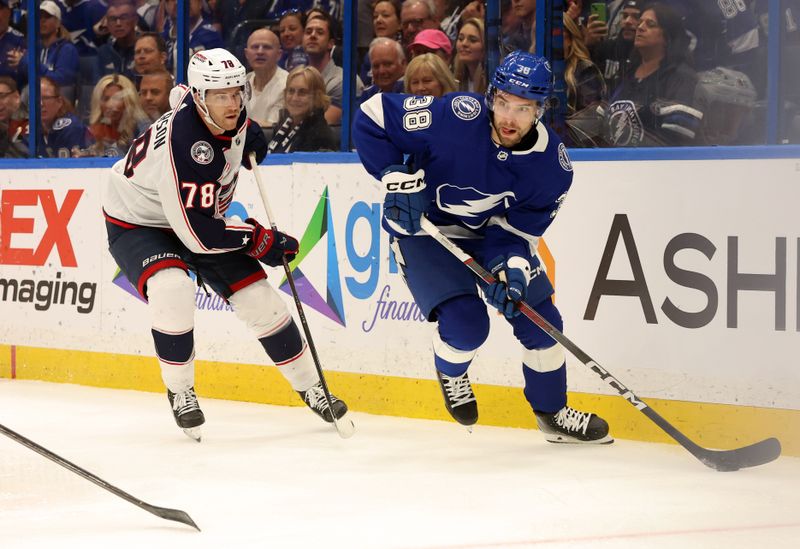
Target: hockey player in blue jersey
x=488, y=173
x=165, y=208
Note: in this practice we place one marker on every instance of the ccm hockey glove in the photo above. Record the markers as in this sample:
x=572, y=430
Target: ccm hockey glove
x=405, y=200
x=513, y=275
x=269, y=246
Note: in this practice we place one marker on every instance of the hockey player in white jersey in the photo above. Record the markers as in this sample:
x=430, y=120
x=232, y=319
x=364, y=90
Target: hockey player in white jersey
x=165, y=207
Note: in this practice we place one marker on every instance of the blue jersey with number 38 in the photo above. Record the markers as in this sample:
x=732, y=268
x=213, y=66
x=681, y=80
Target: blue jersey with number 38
x=477, y=188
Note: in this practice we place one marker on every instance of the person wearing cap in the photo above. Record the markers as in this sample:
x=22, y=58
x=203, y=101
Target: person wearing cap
x=612, y=55
x=388, y=66
x=12, y=46
x=59, y=57
x=431, y=41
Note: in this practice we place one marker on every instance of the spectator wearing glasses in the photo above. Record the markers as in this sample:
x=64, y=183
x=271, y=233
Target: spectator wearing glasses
x=468, y=66
x=417, y=15
x=117, y=55
x=653, y=106
x=149, y=54
x=12, y=46
x=388, y=66
x=62, y=131
x=427, y=74
x=79, y=17
x=13, y=121
x=154, y=89
x=267, y=79
x=302, y=126
x=291, y=27
x=116, y=117
x=59, y=57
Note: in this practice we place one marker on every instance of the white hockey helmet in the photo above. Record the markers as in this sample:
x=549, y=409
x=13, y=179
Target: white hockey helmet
x=216, y=69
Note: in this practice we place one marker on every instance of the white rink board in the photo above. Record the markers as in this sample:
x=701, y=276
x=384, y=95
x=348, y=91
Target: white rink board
x=749, y=202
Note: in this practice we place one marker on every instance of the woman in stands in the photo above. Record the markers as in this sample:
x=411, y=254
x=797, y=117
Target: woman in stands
x=654, y=103
x=302, y=125
x=427, y=74
x=468, y=65
x=116, y=117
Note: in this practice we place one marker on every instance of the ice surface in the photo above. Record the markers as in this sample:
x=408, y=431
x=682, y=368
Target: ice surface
x=277, y=477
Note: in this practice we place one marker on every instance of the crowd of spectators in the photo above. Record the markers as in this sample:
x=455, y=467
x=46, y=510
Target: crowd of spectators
x=636, y=73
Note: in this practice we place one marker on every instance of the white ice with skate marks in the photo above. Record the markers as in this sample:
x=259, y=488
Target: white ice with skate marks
x=269, y=476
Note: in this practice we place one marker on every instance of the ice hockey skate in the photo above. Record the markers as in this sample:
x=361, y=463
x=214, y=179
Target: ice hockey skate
x=315, y=399
x=187, y=412
x=571, y=426
x=459, y=398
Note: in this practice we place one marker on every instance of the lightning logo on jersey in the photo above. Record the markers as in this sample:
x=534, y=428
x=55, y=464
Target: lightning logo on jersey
x=468, y=202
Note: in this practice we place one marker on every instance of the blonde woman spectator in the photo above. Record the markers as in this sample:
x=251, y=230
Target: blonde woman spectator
x=585, y=84
x=302, y=126
x=116, y=117
x=427, y=74
x=468, y=66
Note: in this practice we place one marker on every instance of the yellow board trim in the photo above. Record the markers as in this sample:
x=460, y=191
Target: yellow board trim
x=711, y=425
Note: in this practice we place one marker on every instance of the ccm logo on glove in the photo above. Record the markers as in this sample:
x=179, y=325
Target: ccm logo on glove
x=402, y=182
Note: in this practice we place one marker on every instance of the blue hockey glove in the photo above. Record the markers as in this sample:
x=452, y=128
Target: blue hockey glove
x=405, y=200
x=269, y=246
x=513, y=275
x=255, y=142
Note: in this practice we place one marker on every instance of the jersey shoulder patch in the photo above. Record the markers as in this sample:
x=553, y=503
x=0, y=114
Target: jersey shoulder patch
x=202, y=152
x=466, y=107
x=563, y=158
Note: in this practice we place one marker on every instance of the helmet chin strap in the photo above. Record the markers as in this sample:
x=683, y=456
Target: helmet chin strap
x=201, y=104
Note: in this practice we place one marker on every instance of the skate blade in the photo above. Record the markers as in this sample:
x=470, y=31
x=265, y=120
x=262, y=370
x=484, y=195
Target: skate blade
x=563, y=439
x=345, y=427
x=194, y=433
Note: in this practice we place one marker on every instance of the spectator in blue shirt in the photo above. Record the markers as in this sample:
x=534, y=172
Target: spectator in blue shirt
x=63, y=134
x=59, y=57
x=79, y=17
x=117, y=55
x=12, y=46
x=202, y=34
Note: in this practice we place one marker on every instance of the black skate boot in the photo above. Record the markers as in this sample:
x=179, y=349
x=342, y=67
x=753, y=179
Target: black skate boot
x=459, y=398
x=570, y=425
x=187, y=412
x=315, y=399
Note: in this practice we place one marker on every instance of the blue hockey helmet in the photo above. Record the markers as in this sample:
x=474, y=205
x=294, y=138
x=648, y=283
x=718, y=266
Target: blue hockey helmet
x=522, y=74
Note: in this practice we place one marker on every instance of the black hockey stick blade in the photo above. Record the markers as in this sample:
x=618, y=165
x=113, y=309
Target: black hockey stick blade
x=722, y=460
x=163, y=512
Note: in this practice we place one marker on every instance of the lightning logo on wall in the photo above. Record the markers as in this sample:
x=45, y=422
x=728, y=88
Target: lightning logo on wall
x=321, y=224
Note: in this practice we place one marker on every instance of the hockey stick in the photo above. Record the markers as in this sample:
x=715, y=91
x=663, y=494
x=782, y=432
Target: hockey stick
x=344, y=425
x=170, y=514
x=722, y=460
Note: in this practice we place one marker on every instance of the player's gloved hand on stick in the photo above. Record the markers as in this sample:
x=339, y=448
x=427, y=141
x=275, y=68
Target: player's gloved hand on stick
x=255, y=142
x=270, y=246
x=511, y=287
x=405, y=199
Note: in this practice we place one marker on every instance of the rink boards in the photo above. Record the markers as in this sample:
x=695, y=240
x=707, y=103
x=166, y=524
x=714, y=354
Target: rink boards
x=679, y=277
